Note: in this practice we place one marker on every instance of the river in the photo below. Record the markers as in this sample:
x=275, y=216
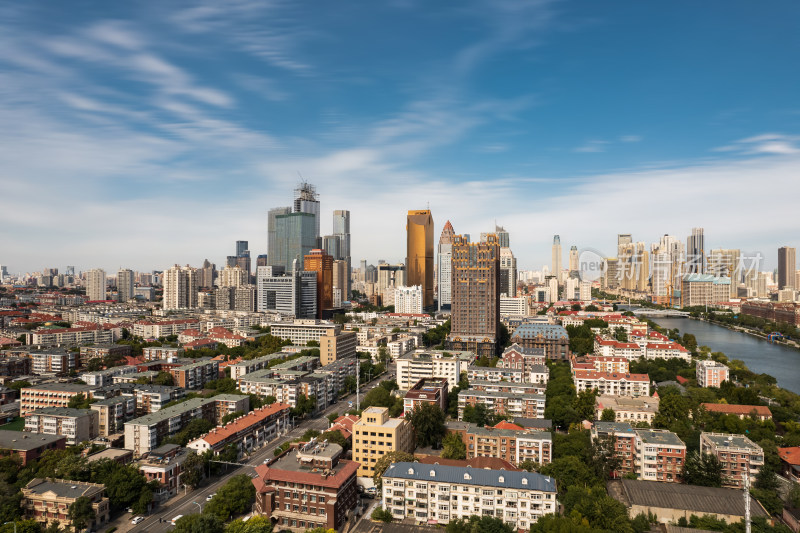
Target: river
x=760, y=356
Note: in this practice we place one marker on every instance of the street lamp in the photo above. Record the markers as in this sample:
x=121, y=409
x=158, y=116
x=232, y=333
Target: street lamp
x=15, y=525
x=199, y=506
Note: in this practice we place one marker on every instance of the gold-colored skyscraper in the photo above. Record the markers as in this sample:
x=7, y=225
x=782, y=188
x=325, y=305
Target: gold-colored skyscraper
x=321, y=263
x=419, y=256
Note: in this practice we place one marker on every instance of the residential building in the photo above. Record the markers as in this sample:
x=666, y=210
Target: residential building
x=514, y=307
x=113, y=413
x=153, y=329
x=475, y=312
x=788, y=313
x=45, y=395
x=341, y=232
x=508, y=273
x=30, y=446
x=53, y=361
x=628, y=409
x=165, y=465
x=444, y=267
x=87, y=353
x=147, y=432
x=420, y=364
x=507, y=386
x=612, y=383
x=47, y=500
x=302, y=331
x=233, y=276
x=552, y=338
x=739, y=456
x=124, y=285
x=376, y=434
x=704, y=289
x=504, y=403
x=426, y=390
x=660, y=455
x=228, y=404
x=508, y=442
x=408, y=300
x=517, y=357
x=180, y=288
x=790, y=463
x=759, y=412
x=196, y=375
x=248, y=432
x=711, y=373
x=161, y=353
x=337, y=345
x=96, y=285
x=419, y=255
x=15, y=366
x=151, y=398
x=309, y=486
x=622, y=438
x=101, y=378
x=440, y=494
x=77, y=425
x=787, y=267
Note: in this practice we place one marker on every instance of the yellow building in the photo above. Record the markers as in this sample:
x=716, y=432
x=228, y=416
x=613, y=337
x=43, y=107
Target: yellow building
x=419, y=257
x=337, y=345
x=376, y=434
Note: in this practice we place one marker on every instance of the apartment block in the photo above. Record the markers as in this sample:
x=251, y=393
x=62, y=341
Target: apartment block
x=38, y=397
x=428, y=390
x=504, y=403
x=711, y=373
x=660, y=455
x=102, y=378
x=90, y=334
x=77, y=425
x=149, y=431
x=623, y=441
x=151, y=398
x=612, y=383
x=227, y=404
x=161, y=353
x=30, y=446
x=333, y=346
x=88, y=353
x=165, y=465
x=517, y=357
x=302, y=331
x=113, y=413
x=739, y=456
x=56, y=361
x=47, y=500
x=15, y=366
x=420, y=364
x=439, y=494
x=627, y=408
x=196, y=375
x=506, y=386
x=551, y=338
x=376, y=434
x=248, y=432
x=509, y=442
x=152, y=329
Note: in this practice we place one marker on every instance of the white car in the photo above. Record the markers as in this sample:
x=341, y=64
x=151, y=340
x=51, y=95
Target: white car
x=176, y=519
x=208, y=498
x=137, y=520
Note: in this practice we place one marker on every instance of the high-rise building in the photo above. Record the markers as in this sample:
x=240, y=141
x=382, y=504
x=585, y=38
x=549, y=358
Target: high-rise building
x=305, y=201
x=419, y=257
x=444, y=273
x=261, y=260
x=475, y=312
x=787, y=265
x=503, y=236
x=206, y=275
x=557, y=265
x=96, y=284
x=340, y=282
x=408, y=300
x=293, y=239
x=321, y=263
x=273, y=240
x=508, y=273
x=622, y=240
x=124, y=285
x=573, y=261
x=234, y=276
x=242, y=248
x=180, y=288
x=341, y=230
x=293, y=293
x=726, y=263
x=695, y=252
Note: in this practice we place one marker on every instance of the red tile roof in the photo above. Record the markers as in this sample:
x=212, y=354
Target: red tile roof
x=344, y=471
x=610, y=376
x=729, y=409
x=504, y=424
x=254, y=417
x=790, y=455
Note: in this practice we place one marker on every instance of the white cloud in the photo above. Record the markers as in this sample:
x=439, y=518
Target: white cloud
x=592, y=147
x=631, y=138
x=766, y=143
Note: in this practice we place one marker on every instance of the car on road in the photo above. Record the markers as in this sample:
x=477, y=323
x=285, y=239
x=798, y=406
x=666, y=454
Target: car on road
x=137, y=520
x=208, y=498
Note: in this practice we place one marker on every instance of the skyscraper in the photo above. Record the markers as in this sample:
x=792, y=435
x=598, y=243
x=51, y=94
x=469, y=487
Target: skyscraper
x=622, y=240
x=293, y=293
x=241, y=248
x=726, y=263
x=206, y=275
x=475, y=312
x=695, y=252
x=273, y=242
x=341, y=230
x=573, y=261
x=419, y=257
x=96, y=284
x=124, y=285
x=508, y=273
x=322, y=264
x=503, y=236
x=787, y=266
x=293, y=239
x=180, y=288
x=234, y=276
x=557, y=265
x=305, y=201
x=444, y=273
x=243, y=257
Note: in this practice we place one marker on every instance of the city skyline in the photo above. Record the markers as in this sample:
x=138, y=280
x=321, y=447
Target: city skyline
x=136, y=125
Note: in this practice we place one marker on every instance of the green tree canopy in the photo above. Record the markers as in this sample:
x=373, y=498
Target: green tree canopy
x=428, y=422
x=199, y=523
x=234, y=498
x=392, y=457
x=454, y=447
x=81, y=513
x=702, y=469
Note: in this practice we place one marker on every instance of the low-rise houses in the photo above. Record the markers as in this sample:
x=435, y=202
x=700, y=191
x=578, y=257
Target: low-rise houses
x=711, y=373
x=30, y=446
x=247, y=432
x=612, y=383
x=790, y=463
x=309, y=486
x=433, y=494
x=503, y=403
x=759, y=412
x=376, y=434
x=47, y=500
x=428, y=390
x=420, y=364
x=633, y=410
x=77, y=425
x=739, y=456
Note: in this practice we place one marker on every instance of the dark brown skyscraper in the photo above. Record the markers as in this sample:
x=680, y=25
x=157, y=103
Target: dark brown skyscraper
x=419, y=257
x=475, y=311
x=787, y=265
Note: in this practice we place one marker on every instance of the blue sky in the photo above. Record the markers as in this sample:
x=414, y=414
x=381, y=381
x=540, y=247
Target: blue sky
x=142, y=134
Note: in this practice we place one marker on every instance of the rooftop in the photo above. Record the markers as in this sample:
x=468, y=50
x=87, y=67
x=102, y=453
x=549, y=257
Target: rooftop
x=693, y=498
x=242, y=423
x=168, y=412
x=612, y=427
x=500, y=394
x=288, y=468
x=760, y=410
x=59, y=387
x=611, y=376
x=662, y=436
x=109, y=453
x=488, y=463
x=62, y=488
x=23, y=440
x=472, y=476
x=726, y=440
x=61, y=411
x=548, y=331
x=542, y=423
x=624, y=403
x=791, y=455
x=536, y=352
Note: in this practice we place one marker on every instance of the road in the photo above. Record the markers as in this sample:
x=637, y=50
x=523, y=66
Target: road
x=184, y=504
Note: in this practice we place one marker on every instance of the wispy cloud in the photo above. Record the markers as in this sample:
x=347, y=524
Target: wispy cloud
x=766, y=144
x=592, y=147
x=631, y=138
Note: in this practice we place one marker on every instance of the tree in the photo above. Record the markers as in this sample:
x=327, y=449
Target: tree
x=383, y=463
x=382, y=515
x=584, y=404
x=428, y=422
x=332, y=417
x=304, y=405
x=336, y=437
x=454, y=447
x=17, y=385
x=234, y=498
x=256, y=524
x=671, y=408
x=569, y=471
x=476, y=414
x=193, y=470
x=79, y=401
x=199, y=523
x=81, y=513
x=390, y=385
x=164, y=378
x=230, y=416
x=608, y=415
x=704, y=470
x=604, y=458
x=476, y=524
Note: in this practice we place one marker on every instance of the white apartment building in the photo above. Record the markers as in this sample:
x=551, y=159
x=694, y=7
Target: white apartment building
x=101, y=378
x=71, y=336
x=96, y=284
x=180, y=288
x=612, y=383
x=125, y=285
x=233, y=276
x=419, y=364
x=585, y=291
x=666, y=350
x=514, y=306
x=78, y=425
x=438, y=494
x=302, y=331
x=408, y=300
x=711, y=373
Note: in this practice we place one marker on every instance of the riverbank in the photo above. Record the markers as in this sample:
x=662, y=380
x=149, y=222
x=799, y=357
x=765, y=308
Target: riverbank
x=748, y=331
